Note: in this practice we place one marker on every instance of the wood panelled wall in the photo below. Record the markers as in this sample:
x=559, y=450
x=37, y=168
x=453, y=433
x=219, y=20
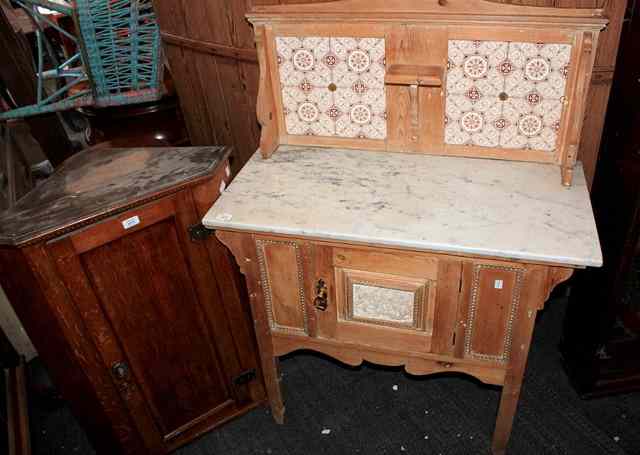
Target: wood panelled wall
x=210, y=50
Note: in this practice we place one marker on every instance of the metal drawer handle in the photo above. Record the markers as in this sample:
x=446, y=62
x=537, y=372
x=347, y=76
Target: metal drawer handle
x=120, y=370
x=321, y=300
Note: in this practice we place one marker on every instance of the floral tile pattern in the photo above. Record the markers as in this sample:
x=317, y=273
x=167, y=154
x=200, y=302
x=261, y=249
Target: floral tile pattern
x=505, y=94
x=333, y=86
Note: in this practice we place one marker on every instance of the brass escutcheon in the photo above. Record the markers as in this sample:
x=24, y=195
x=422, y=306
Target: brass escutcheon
x=332, y=87
x=322, y=300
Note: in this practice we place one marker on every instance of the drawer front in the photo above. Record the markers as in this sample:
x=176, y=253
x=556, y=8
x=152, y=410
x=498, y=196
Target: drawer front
x=388, y=299
x=282, y=280
x=492, y=294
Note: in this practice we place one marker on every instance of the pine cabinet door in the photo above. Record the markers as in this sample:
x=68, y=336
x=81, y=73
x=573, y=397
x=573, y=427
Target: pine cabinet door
x=283, y=279
x=490, y=307
x=396, y=300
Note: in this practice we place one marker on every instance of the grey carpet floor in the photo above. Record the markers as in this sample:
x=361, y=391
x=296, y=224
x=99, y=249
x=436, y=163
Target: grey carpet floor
x=377, y=410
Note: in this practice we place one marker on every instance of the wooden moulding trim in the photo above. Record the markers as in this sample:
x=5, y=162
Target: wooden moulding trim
x=267, y=49
x=338, y=142
x=431, y=11
x=555, y=276
x=220, y=233
x=586, y=54
x=206, y=427
x=413, y=363
x=470, y=151
x=237, y=53
x=421, y=75
x=227, y=406
x=265, y=104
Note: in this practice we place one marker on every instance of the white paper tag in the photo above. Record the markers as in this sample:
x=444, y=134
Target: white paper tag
x=227, y=170
x=498, y=284
x=131, y=222
x=223, y=185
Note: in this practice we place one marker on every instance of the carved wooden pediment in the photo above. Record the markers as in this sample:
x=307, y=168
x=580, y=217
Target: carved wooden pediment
x=431, y=11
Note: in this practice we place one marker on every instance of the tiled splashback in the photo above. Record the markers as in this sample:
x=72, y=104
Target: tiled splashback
x=505, y=94
x=498, y=94
x=333, y=86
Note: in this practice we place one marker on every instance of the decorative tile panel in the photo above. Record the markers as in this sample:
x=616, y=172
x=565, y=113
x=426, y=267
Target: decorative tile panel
x=333, y=86
x=383, y=300
x=384, y=304
x=505, y=94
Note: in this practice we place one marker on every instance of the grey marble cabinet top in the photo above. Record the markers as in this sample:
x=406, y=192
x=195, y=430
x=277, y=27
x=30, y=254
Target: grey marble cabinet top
x=100, y=182
x=491, y=208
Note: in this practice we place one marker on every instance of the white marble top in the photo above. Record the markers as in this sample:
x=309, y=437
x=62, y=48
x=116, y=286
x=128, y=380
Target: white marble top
x=492, y=208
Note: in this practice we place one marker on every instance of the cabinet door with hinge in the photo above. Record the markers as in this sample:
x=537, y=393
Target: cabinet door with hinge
x=396, y=300
x=491, y=302
x=151, y=306
x=283, y=268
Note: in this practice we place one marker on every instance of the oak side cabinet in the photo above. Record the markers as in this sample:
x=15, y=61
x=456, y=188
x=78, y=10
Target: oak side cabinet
x=137, y=311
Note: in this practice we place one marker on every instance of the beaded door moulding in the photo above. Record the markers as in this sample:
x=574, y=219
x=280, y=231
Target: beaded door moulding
x=459, y=78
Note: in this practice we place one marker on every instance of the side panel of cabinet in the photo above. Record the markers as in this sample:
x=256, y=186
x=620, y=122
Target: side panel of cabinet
x=148, y=299
x=490, y=301
x=282, y=278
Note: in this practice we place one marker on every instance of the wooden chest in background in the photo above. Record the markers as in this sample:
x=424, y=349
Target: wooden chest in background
x=138, y=314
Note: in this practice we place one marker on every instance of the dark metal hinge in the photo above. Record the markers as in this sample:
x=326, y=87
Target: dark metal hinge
x=198, y=232
x=245, y=377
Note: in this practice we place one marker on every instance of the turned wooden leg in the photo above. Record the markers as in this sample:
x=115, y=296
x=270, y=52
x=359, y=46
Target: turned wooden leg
x=268, y=361
x=272, y=384
x=506, y=413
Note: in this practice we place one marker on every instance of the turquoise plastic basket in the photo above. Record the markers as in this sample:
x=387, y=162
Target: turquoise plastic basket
x=118, y=59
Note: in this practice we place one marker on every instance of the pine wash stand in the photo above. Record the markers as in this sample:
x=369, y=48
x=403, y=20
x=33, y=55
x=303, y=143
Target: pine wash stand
x=437, y=258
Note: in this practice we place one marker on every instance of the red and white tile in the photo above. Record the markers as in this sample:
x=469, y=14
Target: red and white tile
x=505, y=94
x=333, y=86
